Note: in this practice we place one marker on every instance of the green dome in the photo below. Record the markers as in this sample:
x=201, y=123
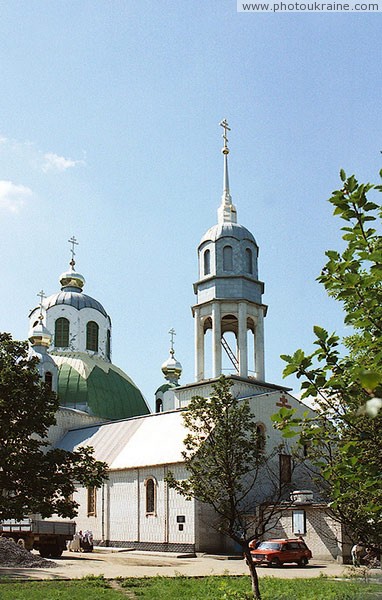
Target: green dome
x=165, y=387
x=91, y=384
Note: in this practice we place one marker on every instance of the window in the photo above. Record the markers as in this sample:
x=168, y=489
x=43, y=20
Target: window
x=92, y=500
x=227, y=258
x=92, y=336
x=108, y=344
x=159, y=405
x=260, y=440
x=150, y=484
x=61, y=333
x=248, y=261
x=207, y=262
x=285, y=464
x=299, y=522
x=48, y=380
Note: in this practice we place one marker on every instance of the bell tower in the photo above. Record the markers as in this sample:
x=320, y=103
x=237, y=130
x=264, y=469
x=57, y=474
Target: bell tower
x=228, y=291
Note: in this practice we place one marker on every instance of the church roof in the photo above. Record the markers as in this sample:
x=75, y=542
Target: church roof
x=101, y=387
x=222, y=230
x=132, y=443
x=76, y=299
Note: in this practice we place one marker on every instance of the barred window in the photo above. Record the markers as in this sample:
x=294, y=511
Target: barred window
x=92, y=336
x=92, y=500
x=108, y=344
x=150, y=496
x=207, y=262
x=285, y=463
x=61, y=333
x=227, y=258
x=248, y=261
x=48, y=380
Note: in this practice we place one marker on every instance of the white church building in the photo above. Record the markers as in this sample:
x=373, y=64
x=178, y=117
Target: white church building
x=102, y=407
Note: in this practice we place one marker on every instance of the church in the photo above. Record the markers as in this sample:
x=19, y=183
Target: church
x=100, y=406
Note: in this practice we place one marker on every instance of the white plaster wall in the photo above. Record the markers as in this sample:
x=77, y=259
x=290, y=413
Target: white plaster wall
x=123, y=509
x=78, y=320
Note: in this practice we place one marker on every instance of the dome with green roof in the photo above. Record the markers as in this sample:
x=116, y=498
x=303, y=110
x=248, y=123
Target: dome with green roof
x=80, y=346
x=97, y=387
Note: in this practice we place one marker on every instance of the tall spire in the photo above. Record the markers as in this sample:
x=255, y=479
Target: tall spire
x=226, y=211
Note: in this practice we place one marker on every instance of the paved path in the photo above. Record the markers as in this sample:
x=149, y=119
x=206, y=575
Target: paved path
x=139, y=564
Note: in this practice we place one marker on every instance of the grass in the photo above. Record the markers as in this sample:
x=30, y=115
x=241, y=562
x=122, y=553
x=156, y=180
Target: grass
x=188, y=588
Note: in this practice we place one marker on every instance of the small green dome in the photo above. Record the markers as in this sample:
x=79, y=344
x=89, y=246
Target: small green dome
x=98, y=387
x=165, y=387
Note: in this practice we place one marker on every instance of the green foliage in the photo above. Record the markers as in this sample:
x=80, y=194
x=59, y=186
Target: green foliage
x=33, y=478
x=346, y=436
x=186, y=588
x=223, y=454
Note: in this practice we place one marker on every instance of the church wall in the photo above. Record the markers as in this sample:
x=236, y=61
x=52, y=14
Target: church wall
x=78, y=320
x=121, y=519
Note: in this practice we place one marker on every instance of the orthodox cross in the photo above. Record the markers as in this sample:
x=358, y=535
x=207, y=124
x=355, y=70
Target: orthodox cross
x=41, y=295
x=226, y=128
x=74, y=242
x=283, y=402
x=172, y=333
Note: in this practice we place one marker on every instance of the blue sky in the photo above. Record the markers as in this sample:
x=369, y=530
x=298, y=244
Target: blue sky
x=109, y=132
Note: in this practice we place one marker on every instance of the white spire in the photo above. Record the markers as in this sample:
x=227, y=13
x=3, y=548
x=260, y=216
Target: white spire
x=226, y=211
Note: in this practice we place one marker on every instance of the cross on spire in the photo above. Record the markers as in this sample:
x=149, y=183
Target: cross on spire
x=226, y=128
x=172, y=333
x=41, y=295
x=74, y=242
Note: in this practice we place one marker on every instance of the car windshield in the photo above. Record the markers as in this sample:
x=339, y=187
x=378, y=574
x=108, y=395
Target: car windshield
x=269, y=546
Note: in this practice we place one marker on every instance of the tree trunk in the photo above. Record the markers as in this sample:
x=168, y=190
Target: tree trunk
x=253, y=574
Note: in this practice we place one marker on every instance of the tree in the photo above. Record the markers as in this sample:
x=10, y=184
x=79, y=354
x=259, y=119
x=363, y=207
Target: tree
x=33, y=478
x=345, y=376
x=228, y=468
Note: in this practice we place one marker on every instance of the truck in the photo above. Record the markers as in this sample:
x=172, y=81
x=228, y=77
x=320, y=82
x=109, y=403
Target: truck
x=48, y=537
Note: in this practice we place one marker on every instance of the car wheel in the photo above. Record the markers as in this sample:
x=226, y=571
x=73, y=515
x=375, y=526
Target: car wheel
x=303, y=562
x=276, y=562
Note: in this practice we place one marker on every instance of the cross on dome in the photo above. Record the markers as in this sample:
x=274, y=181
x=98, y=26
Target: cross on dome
x=226, y=211
x=172, y=333
x=226, y=128
x=73, y=242
x=41, y=295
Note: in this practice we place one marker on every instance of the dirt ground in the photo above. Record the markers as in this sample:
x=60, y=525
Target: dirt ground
x=112, y=564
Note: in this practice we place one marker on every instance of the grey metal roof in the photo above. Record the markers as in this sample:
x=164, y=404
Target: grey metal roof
x=227, y=230
x=78, y=300
x=149, y=440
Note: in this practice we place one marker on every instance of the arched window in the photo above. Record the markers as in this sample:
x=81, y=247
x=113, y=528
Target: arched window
x=248, y=260
x=150, y=484
x=61, y=333
x=207, y=262
x=92, y=336
x=108, y=344
x=260, y=440
x=227, y=258
x=48, y=380
x=159, y=405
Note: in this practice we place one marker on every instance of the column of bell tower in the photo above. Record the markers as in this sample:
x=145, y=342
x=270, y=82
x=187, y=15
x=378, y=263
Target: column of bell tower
x=229, y=294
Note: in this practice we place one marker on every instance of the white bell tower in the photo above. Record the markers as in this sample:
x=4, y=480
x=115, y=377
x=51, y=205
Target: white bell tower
x=229, y=294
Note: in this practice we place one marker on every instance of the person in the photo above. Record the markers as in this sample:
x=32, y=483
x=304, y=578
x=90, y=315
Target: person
x=87, y=541
x=356, y=553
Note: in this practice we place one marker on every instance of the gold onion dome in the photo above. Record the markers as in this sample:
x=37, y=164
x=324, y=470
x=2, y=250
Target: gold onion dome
x=72, y=280
x=171, y=368
x=39, y=335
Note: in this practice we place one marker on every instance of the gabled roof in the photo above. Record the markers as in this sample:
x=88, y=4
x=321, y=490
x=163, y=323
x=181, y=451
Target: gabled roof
x=155, y=439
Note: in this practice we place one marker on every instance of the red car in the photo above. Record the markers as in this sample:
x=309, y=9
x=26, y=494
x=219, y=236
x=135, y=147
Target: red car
x=277, y=552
